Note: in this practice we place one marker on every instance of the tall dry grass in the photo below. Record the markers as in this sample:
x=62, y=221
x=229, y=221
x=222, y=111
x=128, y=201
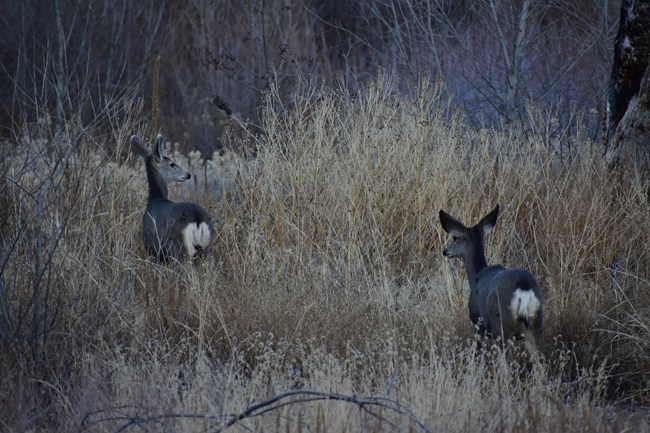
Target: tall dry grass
x=325, y=274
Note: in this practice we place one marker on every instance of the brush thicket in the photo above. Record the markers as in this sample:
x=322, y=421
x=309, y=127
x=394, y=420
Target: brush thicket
x=325, y=273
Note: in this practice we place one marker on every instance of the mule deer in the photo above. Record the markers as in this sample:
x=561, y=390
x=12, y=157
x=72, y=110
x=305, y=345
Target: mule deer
x=170, y=230
x=504, y=303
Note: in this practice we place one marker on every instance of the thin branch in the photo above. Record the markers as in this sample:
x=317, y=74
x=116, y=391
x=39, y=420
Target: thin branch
x=369, y=405
x=365, y=404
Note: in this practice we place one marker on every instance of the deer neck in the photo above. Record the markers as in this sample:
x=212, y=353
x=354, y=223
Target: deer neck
x=474, y=263
x=157, y=185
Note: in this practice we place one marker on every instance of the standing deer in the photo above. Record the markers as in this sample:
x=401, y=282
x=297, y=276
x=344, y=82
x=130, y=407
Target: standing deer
x=504, y=303
x=170, y=230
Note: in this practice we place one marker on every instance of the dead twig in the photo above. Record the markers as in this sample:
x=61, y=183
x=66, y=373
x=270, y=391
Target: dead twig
x=297, y=396
x=373, y=406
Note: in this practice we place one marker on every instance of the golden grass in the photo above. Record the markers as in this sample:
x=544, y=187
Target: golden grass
x=326, y=274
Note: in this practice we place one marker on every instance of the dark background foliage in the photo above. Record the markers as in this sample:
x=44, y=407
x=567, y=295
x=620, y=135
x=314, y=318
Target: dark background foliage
x=75, y=56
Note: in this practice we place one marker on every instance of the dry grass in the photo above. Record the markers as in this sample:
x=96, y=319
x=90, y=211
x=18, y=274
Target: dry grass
x=326, y=275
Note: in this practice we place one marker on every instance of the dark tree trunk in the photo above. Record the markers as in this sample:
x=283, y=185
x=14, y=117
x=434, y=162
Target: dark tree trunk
x=627, y=130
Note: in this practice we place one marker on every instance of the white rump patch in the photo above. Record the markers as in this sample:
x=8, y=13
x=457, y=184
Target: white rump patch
x=196, y=236
x=524, y=304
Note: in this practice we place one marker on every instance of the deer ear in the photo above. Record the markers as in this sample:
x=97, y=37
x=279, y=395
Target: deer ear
x=451, y=225
x=160, y=147
x=138, y=147
x=489, y=221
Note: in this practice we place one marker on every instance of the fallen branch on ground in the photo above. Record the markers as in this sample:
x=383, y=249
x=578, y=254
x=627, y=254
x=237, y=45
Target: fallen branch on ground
x=373, y=406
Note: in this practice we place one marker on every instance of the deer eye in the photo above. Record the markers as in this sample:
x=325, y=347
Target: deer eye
x=172, y=165
x=453, y=238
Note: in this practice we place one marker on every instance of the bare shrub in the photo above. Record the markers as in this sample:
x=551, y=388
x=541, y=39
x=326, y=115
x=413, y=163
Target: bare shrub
x=493, y=56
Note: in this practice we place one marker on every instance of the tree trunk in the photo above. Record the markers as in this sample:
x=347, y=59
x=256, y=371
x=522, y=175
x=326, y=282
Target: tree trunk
x=627, y=128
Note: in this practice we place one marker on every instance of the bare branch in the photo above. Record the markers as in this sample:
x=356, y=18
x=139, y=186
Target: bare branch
x=372, y=406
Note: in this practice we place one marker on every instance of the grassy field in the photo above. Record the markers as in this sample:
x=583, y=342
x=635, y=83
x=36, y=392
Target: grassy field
x=326, y=275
